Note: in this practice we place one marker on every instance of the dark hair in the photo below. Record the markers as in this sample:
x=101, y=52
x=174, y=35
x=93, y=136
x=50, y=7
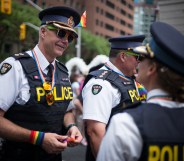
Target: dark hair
x=171, y=82
x=113, y=53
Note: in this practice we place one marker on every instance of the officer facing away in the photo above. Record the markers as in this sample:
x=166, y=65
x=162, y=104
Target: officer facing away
x=35, y=93
x=153, y=130
x=107, y=88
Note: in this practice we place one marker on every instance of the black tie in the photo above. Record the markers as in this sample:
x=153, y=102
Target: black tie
x=50, y=69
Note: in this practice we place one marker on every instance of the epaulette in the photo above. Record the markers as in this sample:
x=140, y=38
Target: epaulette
x=28, y=63
x=100, y=74
x=110, y=75
x=21, y=55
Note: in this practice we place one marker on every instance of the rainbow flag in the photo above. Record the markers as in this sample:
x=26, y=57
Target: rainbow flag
x=83, y=20
x=141, y=90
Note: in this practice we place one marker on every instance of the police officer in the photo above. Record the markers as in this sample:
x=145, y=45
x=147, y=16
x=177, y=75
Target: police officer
x=105, y=89
x=153, y=130
x=36, y=91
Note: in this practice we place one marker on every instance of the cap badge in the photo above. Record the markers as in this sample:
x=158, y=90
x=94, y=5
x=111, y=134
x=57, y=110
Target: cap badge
x=70, y=21
x=151, y=53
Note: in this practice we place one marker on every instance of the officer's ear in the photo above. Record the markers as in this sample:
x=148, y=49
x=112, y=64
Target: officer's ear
x=122, y=56
x=152, y=67
x=42, y=32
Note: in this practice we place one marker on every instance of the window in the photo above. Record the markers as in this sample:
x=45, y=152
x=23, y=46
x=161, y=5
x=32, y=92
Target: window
x=109, y=27
x=110, y=16
x=122, y=22
x=123, y=2
x=130, y=6
x=123, y=12
x=130, y=16
x=130, y=26
x=110, y=4
x=97, y=22
x=122, y=32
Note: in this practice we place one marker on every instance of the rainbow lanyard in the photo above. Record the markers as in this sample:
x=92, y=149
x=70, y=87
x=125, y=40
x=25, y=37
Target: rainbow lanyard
x=41, y=73
x=160, y=97
x=139, y=88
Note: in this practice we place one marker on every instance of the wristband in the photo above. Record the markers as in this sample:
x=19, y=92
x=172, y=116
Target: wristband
x=36, y=137
x=69, y=126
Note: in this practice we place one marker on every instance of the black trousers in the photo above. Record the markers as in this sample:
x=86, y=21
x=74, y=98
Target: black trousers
x=12, y=151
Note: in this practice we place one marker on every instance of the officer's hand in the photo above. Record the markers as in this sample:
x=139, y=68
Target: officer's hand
x=53, y=143
x=76, y=136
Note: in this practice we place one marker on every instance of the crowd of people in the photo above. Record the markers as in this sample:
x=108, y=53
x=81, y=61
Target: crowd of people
x=129, y=108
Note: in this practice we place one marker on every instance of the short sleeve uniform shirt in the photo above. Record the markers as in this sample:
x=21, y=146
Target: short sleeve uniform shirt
x=98, y=105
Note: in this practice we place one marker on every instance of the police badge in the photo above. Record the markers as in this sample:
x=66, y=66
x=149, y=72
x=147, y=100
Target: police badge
x=5, y=68
x=96, y=89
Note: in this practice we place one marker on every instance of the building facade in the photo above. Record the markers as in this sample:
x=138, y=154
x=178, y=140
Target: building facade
x=145, y=14
x=172, y=12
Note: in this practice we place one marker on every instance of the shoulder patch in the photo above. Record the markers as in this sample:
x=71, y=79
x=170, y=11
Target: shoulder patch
x=5, y=68
x=96, y=89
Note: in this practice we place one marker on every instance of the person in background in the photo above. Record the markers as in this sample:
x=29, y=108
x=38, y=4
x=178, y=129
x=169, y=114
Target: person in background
x=36, y=91
x=105, y=89
x=153, y=130
x=77, y=104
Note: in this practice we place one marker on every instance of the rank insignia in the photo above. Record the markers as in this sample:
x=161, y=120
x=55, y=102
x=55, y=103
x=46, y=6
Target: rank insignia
x=96, y=89
x=5, y=68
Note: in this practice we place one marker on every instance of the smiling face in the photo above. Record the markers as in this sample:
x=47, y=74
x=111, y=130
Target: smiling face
x=51, y=45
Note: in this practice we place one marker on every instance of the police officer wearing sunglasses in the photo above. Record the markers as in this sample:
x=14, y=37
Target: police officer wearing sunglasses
x=153, y=130
x=35, y=121
x=106, y=89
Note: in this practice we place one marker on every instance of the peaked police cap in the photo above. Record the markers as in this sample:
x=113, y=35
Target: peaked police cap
x=126, y=42
x=61, y=17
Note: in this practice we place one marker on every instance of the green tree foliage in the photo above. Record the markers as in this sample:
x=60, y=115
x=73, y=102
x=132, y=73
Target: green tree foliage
x=91, y=45
x=10, y=27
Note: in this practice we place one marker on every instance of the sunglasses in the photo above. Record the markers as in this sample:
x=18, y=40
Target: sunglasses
x=141, y=58
x=137, y=57
x=62, y=33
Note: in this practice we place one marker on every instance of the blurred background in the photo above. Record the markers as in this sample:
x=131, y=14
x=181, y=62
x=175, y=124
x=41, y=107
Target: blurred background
x=105, y=18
